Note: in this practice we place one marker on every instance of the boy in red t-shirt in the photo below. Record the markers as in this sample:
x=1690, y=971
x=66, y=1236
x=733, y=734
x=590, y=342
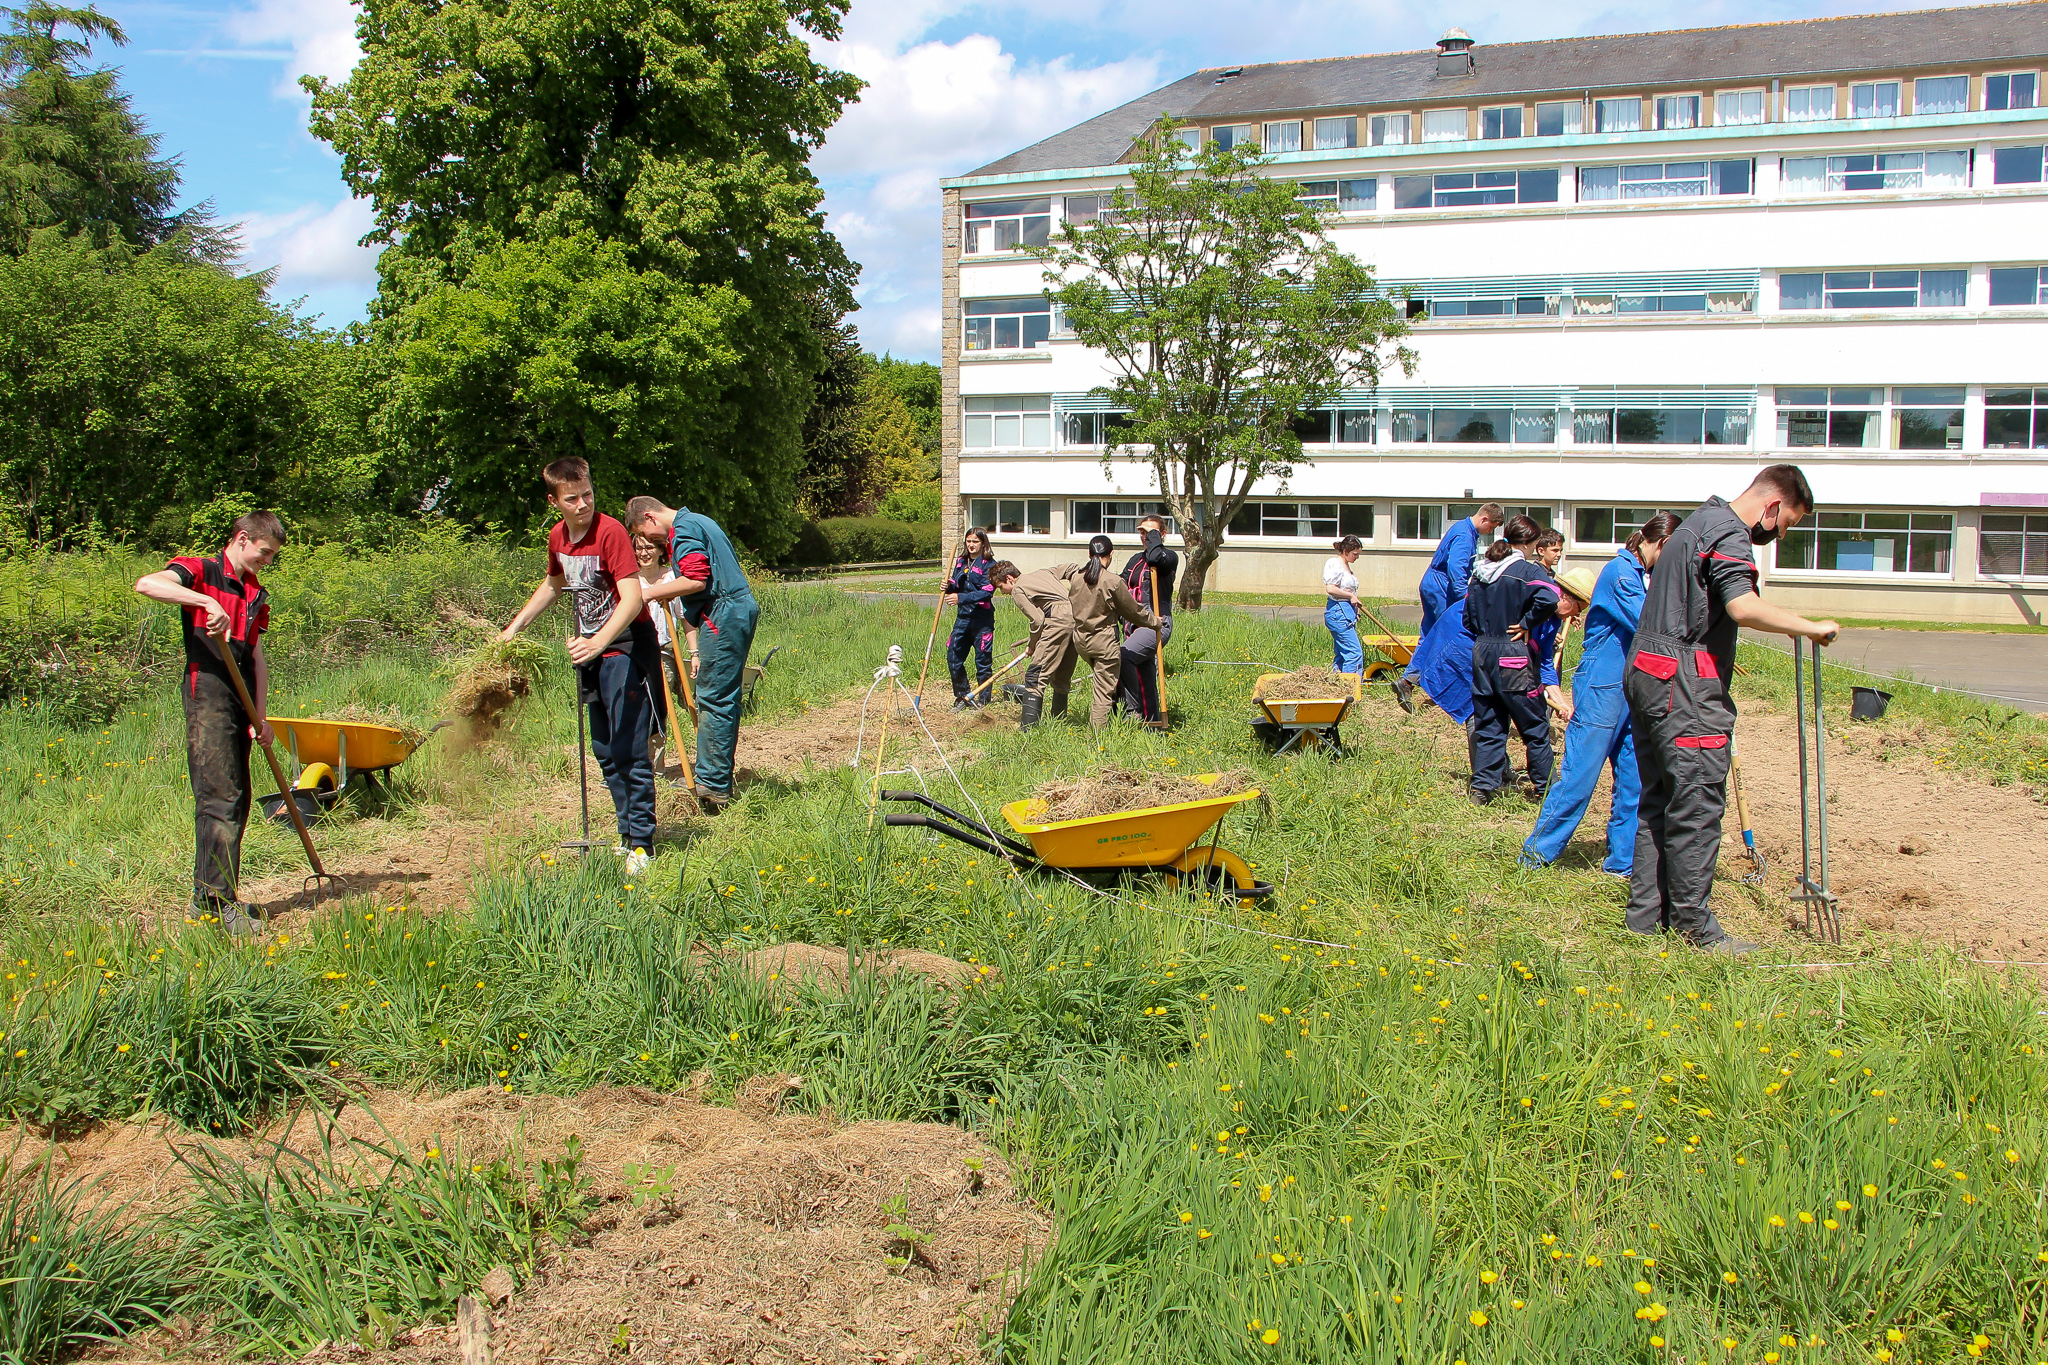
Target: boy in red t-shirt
x=223, y=607
x=613, y=645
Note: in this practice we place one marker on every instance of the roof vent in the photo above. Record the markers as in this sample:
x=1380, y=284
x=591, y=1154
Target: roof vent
x=1230, y=75
x=1454, y=53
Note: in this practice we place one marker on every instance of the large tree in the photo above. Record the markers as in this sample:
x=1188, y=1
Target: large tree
x=1226, y=315
x=677, y=131
x=74, y=158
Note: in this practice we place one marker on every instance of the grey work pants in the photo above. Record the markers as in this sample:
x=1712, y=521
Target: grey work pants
x=217, y=756
x=1678, y=830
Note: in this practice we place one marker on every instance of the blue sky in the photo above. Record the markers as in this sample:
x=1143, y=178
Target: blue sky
x=952, y=84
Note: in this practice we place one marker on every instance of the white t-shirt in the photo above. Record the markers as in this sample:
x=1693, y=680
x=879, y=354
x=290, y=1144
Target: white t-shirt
x=1337, y=575
x=659, y=610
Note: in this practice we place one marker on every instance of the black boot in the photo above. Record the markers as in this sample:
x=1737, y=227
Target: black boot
x=1034, y=697
x=959, y=689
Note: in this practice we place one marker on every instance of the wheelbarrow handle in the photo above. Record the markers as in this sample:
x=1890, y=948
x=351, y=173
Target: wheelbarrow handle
x=980, y=829
x=950, y=830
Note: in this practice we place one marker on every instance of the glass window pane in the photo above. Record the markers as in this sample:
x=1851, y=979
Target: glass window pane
x=1535, y=426
x=1536, y=187
x=1470, y=426
x=1355, y=519
x=2016, y=166
x=1336, y=132
x=1732, y=177
x=1810, y=102
x=1411, y=425
x=1038, y=515
x=1797, y=292
x=1594, y=428
x=1283, y=137
x=1599, y=182
x=1037, y=429
x=1593, y=525
x=1805, y=174
x=1560, y=119
x=1617, y=116
x=2015, y=286
x=1943, y=288
x=1413, y=192
x=1739, y=106
x=1389, y=130
x=1444, y=125
x=1941, y=95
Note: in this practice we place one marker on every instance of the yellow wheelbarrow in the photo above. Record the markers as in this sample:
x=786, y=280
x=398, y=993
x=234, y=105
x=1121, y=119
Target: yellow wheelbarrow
x=1399, y=649
x=1302, y=722
x=1159, y=839
x=329, y=753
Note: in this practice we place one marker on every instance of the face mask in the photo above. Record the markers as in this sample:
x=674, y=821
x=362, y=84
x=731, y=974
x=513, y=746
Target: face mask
x=1760, y=535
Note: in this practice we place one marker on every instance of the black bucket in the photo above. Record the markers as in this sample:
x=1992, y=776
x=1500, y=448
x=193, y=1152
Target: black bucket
x=1867, y=703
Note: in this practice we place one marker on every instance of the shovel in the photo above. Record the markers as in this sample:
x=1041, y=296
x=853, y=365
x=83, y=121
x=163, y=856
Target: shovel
x=1758, y=867
x=311, y=890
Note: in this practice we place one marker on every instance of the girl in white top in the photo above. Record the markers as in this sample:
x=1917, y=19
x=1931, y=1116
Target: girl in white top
x=1340, y=614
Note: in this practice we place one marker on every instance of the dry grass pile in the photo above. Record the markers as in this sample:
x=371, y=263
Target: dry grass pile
x=390, y=717
x=1112, y=790
x=785, y=965
x=493, y=677
x=1307, y=684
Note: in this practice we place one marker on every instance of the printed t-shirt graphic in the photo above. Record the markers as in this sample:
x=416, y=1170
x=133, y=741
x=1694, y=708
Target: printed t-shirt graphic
x=592, y=568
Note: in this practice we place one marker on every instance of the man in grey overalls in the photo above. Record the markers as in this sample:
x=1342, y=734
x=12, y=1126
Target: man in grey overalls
x=1703, y=588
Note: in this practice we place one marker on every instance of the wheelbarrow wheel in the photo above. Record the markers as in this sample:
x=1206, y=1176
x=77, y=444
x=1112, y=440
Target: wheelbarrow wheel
x=1374, y=669
x=1220, y=872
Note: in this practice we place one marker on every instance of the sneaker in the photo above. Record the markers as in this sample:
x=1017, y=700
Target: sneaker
x=1481, y=798
x=636, y=862
x=237, y=918
x=1404, y=693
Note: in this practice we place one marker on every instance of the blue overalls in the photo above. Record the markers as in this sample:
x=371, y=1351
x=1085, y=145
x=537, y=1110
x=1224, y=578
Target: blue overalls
x=1509, y=675
x=1599, y=734
x=975, y=626
x=1443, y=582
x=725, y=613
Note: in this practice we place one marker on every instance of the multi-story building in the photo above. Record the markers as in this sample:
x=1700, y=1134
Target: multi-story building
x=1638, y=268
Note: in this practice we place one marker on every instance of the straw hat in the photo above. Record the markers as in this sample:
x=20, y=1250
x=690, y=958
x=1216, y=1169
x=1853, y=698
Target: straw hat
x=1579, y=582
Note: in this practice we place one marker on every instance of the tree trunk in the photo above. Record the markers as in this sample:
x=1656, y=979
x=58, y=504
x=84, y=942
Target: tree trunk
x=1203, y=548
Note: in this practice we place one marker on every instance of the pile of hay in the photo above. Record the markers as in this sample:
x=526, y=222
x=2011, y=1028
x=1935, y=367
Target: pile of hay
x=355, y=713
x=1305, y=684
x=491, y=678
x=1113, y=790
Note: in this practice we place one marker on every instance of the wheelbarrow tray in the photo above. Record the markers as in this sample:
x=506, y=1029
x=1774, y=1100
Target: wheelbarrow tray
x=371, y=748
x=1305, y=711
x=1148, y=837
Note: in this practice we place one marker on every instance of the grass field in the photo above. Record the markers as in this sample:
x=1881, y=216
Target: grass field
x=1428, y=1106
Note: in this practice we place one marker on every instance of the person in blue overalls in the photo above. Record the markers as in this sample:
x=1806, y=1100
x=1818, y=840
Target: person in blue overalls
x=1510, y=600
x=1598, y=732
x=1443, y=585
x=717, y=602
x=974, y=628
x=1340, y=612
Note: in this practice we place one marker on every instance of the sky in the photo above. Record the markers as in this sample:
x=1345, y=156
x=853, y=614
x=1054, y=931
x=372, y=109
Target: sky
x=951, y=85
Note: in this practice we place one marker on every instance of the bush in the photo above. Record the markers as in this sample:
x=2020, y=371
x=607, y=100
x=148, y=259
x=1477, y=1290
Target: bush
x=865, y=540
x=917, y=503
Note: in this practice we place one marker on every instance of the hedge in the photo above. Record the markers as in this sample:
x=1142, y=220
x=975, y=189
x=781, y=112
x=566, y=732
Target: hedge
x=865, y=540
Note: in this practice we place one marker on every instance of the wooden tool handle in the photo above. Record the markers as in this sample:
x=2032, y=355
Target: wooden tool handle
x=284, y=788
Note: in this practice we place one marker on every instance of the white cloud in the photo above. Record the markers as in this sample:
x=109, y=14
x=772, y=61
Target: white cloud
x=318, y=37
x=313, y=247
x=934, y=109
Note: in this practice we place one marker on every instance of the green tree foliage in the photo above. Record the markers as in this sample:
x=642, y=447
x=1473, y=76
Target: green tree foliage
x=839, y=478
x=916, y=384
x=1226, y=314
x=136, y=385
x=679, y=132
x=73, y=155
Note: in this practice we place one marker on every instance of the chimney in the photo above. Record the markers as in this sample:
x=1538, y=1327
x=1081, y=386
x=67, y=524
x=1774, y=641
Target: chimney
x=1454, y=53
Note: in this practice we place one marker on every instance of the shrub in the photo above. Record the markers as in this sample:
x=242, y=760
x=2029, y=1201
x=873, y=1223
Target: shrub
x=865, y=540
x=917, y=503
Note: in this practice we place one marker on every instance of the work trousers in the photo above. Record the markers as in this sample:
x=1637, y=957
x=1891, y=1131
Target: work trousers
x=1507, y=691
x=1342, y=619
x=1052, y=655
x=976, y=631
x=217, y=757
x=1138, y=687
x=1599, y=735
x=1105, y=661
x=722, y=646
x=614, y=692
x=1682, y=725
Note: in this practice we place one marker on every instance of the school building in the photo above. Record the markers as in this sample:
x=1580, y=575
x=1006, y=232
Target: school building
x=1638, y=268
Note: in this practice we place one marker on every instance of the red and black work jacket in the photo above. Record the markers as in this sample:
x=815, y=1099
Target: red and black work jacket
x=247, y=603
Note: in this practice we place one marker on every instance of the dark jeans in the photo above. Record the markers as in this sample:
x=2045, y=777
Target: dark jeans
x=974, y=631
x=621, y=714
x=217, y=755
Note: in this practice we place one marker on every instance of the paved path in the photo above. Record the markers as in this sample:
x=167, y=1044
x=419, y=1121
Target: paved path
x=2010, y=668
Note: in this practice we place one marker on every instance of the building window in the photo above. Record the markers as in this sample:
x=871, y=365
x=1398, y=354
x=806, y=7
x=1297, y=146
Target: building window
x=1113, y=518
x=1664, y=180
x=1560, y=119
x=1623, y=305
x=1284, y=137
x=1618, y=116
x=2018, y=285
x=1345, y=196
x=1733, y=107
x=1877, y=171
x=1475, y=426
x=1611, y=525
x=1874, y=99
x=1873, y=289
x=1522, y=305
x=1012, y=516
x=1660, y=426
x=1304, y=520
x=1231, y=135
x=2015, y=90
x=1810, y=103
x=1085, y=208
x=1333, y=133
x=1847, y=419
x=1463, y=188
x=2012, y=545
x=1941, y=95
x=1007, y=225
x=1444, y=125
x=2016, y=166
x=1389, y=130
x=1190, y=138
x=1678, y=111
x=1419, y=521
x=1092, y=428
x=2016, y=419
x=1022, y=422
x=1495, y=124
x=1006, y=324
x=1927, y=419
x=1871, y=542
x=1355, y=427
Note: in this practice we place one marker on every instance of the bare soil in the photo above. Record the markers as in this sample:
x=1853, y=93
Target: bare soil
x=788, y=964
x=825, y=737
x=770, y=1247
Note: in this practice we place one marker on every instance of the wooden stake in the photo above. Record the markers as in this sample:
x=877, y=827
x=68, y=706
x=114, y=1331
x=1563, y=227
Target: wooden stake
x=1159, y=651
x=946, y=569
x=675, y=721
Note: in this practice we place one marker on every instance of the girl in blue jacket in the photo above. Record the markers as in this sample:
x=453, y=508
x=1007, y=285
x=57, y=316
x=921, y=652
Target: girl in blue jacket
x=1509, y=605
x=1599, y=734
x=974, y=627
